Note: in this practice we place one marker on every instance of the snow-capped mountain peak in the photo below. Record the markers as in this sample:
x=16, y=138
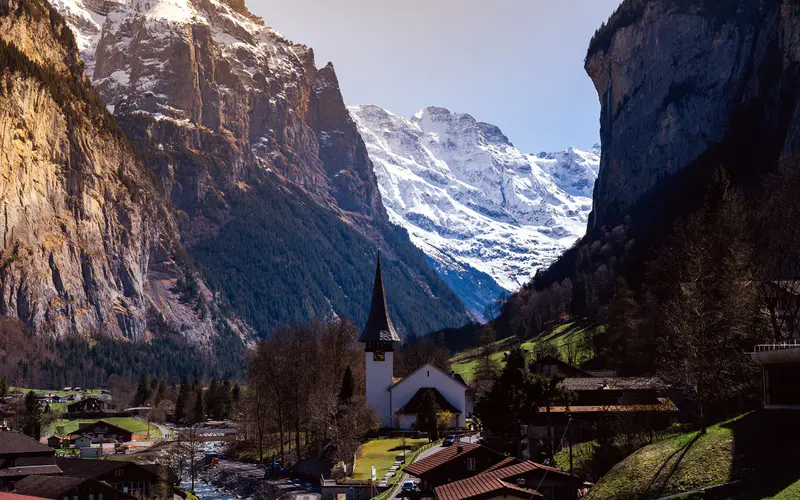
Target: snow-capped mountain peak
x=486, y=214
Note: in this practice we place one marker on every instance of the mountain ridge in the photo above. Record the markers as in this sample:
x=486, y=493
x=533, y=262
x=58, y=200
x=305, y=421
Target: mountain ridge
x=486, y=215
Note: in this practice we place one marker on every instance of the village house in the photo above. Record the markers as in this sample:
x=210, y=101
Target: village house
x=138, y=481
x=54, y=442
x=398, y=399
x=68, y=487
x=105, y=431
x=780, y=371
x=643, y=403
x=82, y=441
x=89, y=405
x=549, y=365
x=460, y=461
x=21, y=456
x=515, y=478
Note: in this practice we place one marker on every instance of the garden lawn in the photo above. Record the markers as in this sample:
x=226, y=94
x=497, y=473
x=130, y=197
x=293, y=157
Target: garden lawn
x=136, y=427
x=381, y=453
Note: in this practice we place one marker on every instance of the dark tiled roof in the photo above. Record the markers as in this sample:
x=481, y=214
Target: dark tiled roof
x=16, y=442
x=439, y=458
x=89, y=468
x=414, y=404
x=89, y=426
x=31, y=470
x=379, y=327
x=566, y=367
x=482, y=485
x=612, y=383
x=497, y=478
x=503, y=463
x=519, y=468
x=47, y=486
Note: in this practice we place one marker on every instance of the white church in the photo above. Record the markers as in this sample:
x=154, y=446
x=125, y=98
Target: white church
x=398, y=400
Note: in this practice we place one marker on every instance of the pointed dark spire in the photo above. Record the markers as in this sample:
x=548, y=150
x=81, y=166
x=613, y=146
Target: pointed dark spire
x=379, y=326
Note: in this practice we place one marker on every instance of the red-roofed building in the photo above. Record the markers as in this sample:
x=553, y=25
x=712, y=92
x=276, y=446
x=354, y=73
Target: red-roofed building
x=14, y=496
x=514, y=477
x=460, y=461
x=482, y=487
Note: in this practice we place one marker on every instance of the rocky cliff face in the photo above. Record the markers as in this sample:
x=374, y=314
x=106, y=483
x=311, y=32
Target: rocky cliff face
x=486, y=215
x=683, y=81
x=245, y=134
x=88, y=244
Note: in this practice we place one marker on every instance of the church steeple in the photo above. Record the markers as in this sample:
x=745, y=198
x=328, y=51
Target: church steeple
x=379, y=326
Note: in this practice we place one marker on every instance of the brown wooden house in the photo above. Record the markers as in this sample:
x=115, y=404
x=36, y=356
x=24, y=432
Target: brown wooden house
x=515, y=478
x=136, y=480
x=68, y=488
x=105, y=431
x=459, y=461
x=22, y=456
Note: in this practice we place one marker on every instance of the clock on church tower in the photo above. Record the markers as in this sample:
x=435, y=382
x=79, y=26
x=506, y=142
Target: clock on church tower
x=379, y=339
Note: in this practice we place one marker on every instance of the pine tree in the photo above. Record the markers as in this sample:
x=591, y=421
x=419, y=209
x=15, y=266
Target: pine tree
x=142, y=391
x=161, y=393
x=181, y=402
x=213, y=400
x=199, y=414
x=426, y=419
x=227, y=399
x=32, y=416
x=348, y=386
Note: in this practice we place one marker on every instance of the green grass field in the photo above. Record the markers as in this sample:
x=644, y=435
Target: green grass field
x=136, y=427
x=683, y=463
x=569, y=338
x=381, y=453
x=86, y=393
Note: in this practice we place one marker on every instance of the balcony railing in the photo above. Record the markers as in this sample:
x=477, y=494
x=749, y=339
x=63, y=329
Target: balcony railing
x=777, y=346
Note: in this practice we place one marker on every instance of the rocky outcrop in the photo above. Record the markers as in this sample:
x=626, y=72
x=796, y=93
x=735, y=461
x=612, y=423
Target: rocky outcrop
x=88, y=243
x=681, y=82
x=238, y=125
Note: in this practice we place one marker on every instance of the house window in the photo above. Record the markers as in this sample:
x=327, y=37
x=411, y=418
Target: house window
x=99, y=496
x=118, y=472
x=470, y=464
x=91, y=496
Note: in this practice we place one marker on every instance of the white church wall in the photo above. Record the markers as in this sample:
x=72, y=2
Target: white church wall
x=379, y=378
x=428, y=376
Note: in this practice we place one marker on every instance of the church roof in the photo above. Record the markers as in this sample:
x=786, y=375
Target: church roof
x=379, y=326
x=414, y=404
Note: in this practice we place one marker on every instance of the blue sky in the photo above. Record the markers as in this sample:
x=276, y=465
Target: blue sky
x=515, y=63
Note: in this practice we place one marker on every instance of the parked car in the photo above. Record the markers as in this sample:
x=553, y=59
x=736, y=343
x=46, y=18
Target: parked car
x=449, y=440
x=409, y=486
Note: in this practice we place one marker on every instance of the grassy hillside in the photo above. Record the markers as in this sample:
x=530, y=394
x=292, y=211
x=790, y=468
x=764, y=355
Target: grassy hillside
x=570, y=339
x=752, y=449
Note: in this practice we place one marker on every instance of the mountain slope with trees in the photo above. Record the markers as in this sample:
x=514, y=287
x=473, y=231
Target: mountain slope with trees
x=275, y=196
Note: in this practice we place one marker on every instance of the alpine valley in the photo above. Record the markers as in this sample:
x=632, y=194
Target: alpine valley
x=486, y=215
